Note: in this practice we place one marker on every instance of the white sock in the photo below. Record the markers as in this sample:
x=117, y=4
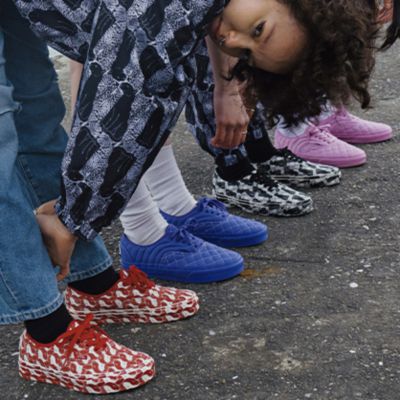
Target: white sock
x=291, y=131
x=142, y=222
x=294, y=131
x=166, y=184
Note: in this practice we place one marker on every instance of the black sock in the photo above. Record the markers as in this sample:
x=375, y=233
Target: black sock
x=236, y=171
x=50, y=327
x=97, y=284
x=260, y=150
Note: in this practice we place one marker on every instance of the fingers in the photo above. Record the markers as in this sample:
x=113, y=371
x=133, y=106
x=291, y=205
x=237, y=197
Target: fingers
x=47, y=208
x=220, y=138
x=386, y=12
x=59, y=242
x=230, y=137
x=64, y=272
x=240, y=135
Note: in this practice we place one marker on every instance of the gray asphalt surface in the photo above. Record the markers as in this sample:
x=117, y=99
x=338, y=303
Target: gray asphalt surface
x=316, y=315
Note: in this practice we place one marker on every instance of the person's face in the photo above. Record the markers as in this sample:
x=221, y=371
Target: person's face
x=263, y=29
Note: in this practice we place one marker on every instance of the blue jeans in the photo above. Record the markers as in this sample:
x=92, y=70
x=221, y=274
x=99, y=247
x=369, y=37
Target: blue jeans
x=32, y=144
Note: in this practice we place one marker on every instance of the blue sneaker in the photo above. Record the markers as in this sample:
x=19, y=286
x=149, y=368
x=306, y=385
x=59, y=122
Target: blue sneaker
x=210, y=221
x=181, y=257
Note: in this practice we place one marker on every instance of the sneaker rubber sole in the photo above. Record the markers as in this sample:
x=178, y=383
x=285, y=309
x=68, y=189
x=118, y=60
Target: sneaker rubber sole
x=331, y=179
x=377, y=137
x=221, y=274
x=157, y=316
x=244, y=241
x=39, y=374
x=272, y=211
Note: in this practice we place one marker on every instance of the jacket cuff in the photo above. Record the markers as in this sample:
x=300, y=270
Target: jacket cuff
x=83, y=231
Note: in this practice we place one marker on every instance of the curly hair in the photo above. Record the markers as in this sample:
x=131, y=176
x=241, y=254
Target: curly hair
x=336, y=65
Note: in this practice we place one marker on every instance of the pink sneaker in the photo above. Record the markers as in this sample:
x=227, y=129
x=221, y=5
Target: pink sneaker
x=352, y=129
x=316, y=144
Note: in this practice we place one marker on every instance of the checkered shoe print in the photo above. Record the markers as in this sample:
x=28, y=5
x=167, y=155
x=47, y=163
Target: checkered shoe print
x=289, y=169
x=257, y=193
x=133, y=298
x=84, y=359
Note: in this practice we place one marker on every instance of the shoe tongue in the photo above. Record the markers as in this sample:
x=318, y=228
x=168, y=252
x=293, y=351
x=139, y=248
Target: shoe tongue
x=171, y=230
x=206, y=203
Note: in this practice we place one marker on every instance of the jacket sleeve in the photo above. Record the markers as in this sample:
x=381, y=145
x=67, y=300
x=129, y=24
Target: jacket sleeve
x=138, y=72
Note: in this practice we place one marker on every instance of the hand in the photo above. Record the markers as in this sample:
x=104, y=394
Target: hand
x=232, y=120
x=386, y=12
x=59, y=241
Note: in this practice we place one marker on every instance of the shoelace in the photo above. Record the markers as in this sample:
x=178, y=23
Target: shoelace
x=262, y=177
x=210, y=206
x=321, y=132
x=183, y=236
x=288, y=155
x=84, y=334
x=213, y=206
x=137, y=278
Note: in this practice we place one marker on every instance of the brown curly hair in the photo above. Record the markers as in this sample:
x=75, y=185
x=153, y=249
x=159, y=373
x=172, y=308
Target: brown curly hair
x=336, y=65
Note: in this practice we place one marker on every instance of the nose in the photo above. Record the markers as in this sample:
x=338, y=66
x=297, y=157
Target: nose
x=232, y=40
x=233, y=44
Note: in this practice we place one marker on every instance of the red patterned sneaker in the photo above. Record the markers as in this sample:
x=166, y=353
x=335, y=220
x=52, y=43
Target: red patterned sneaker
x=84, y=359
x=133, y=298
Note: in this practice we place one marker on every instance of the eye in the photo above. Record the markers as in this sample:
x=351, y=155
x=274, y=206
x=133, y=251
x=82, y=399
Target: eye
x=258, y=30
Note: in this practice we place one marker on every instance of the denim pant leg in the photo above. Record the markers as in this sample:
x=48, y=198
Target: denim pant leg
x=42, y=139
x=28, y=287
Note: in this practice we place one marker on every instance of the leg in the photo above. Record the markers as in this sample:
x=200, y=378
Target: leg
x=42, y=140
x=28, y=288
x=167, y=187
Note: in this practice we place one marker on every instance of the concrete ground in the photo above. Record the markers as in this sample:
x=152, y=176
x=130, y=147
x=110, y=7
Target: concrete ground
x=316, y=314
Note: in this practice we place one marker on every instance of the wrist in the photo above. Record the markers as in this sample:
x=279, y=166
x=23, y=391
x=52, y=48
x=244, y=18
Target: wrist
x=226, y=91
x=224, y=85
x=47, y=211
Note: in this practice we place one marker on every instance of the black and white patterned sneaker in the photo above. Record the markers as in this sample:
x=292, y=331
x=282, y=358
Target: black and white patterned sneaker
x=287, y=168
x=257, y=193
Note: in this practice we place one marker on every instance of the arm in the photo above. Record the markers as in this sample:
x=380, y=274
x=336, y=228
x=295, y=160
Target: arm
x=230, y=113
x=75, y=69
x=60, y=243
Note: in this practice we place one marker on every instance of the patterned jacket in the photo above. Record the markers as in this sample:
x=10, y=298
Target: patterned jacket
x=140, y=65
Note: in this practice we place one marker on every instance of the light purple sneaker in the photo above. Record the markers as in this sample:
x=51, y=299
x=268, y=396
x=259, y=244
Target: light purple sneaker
x=316, y=144
x=352, y=129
